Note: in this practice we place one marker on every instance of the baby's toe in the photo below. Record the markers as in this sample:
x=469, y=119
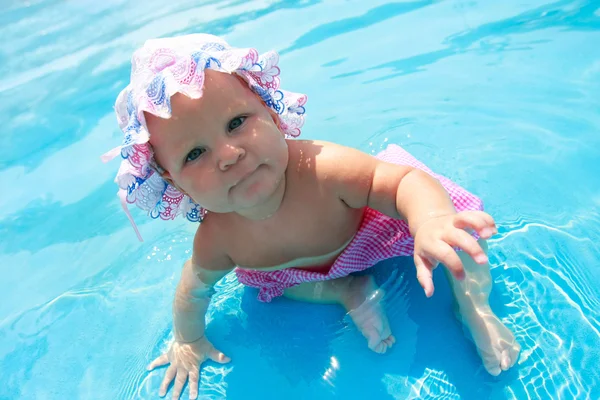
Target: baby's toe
x=493, y=369
x=380, y=348
x=514, y=353
x=390, y=341
x=505, y=360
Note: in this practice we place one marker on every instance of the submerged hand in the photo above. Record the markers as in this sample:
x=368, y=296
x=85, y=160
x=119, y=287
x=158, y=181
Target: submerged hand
x=437, y=237
x=185, y=360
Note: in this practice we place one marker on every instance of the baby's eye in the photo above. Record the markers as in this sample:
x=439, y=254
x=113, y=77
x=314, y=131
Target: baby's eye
x=236, y=123
x=192, y=155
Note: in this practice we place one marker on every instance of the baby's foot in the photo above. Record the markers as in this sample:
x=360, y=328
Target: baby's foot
x=495, y=343
x=363, y=302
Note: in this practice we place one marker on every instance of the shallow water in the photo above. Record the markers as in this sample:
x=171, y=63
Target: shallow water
x=503, y=97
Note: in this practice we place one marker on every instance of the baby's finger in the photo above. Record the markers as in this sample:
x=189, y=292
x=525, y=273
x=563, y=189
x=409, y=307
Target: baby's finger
x=488, y=218
x=219, y=357
x=193, y=383
x=169, y=375
x=461, y=239
x=424, y=275
x=447, y=256
x=158, y=362
x=480, y=222
x=182, y=375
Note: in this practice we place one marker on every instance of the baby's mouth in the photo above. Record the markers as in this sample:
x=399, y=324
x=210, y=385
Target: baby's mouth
x=245, y=176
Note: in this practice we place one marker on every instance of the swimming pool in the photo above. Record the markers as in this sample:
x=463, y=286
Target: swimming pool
x=503, y=97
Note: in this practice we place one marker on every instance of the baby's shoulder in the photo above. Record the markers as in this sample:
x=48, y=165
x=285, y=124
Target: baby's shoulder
x=330, y=161
x=324, y=152
x=316, y=149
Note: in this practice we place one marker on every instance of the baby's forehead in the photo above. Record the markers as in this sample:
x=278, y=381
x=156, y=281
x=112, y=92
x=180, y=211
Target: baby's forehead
x=219, y=91
x=230, y=87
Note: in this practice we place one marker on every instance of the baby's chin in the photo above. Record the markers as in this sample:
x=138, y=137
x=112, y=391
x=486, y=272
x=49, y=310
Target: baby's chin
x=256, y=189
x=250, y=201
x=235, y=205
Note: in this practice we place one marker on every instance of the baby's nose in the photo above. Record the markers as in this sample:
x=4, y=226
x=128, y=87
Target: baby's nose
x=229, y=155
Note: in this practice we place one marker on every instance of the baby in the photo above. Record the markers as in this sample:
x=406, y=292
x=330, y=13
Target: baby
x=208, y=135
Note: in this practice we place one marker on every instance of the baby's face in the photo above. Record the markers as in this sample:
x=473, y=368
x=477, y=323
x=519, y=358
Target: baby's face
x=224, y=150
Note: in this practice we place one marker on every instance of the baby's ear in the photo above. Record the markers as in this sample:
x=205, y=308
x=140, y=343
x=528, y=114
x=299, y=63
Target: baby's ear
x=167, y=177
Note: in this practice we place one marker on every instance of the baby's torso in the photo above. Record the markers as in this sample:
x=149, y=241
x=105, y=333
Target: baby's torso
x=310, y=242
x=311, y=228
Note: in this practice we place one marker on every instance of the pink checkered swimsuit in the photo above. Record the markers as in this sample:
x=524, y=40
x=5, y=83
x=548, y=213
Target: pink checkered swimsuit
x=379, y=237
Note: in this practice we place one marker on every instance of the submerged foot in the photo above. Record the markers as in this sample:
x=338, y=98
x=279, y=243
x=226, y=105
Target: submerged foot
x=363, y=301
x=495, y=343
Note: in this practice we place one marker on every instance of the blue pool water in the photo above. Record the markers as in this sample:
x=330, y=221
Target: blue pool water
x=501, y=96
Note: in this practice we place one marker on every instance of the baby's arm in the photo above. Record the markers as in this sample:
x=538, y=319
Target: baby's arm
x=405, y=192
x=192, y=297
x=399, y=191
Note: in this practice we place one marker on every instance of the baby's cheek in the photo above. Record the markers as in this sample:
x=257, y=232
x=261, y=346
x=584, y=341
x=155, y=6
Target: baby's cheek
x=206, y=186
x=283, y=153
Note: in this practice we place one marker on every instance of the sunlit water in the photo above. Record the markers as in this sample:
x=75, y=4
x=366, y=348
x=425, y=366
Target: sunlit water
x=501, y=96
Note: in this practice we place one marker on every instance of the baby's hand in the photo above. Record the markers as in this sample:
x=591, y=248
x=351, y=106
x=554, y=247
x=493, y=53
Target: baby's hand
x=436, y=239
x=185, y=359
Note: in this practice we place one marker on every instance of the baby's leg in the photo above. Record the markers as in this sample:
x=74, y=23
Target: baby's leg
x=494, y=341
x=361, y=298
